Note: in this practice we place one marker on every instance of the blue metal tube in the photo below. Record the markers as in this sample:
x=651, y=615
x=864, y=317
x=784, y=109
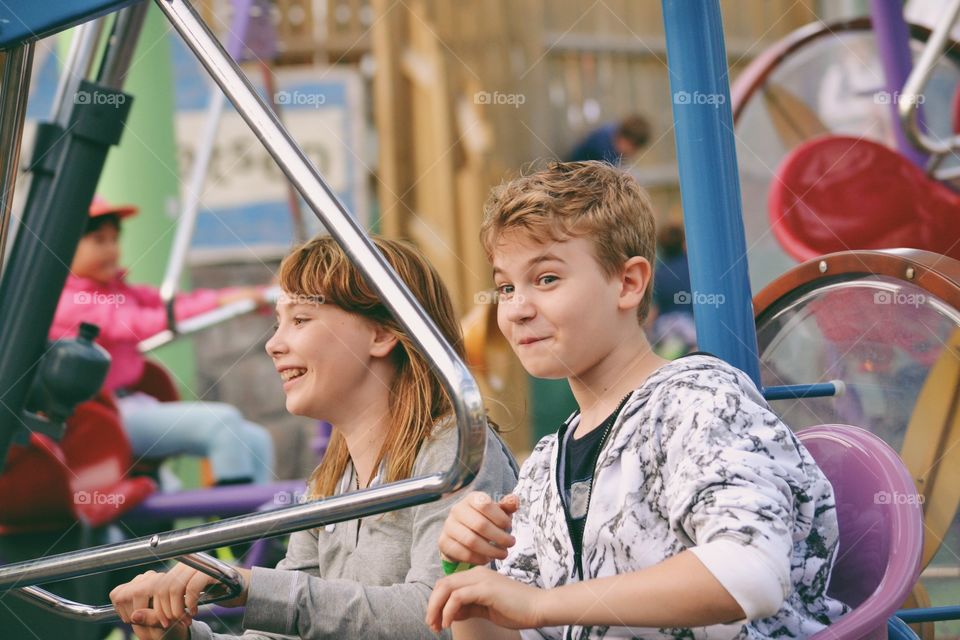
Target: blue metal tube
x=930, y=614
x=710, y=183
x=794, y=391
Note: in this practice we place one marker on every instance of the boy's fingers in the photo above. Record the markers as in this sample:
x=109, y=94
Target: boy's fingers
x=487, y=530
x=456, y=552
x=510, y=503
x=477, y=546
x=484, y=504
x=435, y=605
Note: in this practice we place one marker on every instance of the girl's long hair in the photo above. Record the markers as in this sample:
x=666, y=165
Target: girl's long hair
x=321, y=270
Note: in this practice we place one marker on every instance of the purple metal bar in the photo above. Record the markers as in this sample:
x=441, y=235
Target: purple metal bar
x=220, y=502
x=893, y=43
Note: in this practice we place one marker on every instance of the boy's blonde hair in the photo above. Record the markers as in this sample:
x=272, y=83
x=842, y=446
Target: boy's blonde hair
x=417, y=398
x=592, y=200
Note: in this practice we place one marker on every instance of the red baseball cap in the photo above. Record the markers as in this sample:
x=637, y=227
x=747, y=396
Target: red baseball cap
x=100, y=207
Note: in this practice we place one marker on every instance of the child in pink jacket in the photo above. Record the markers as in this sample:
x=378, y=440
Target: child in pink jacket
x=97, y=292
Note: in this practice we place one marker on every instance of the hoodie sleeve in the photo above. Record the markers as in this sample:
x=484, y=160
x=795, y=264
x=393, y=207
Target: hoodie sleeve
x=730, y=474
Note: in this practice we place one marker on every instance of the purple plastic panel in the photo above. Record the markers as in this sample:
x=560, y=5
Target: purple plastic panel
x=221, y=502
x=881, y=527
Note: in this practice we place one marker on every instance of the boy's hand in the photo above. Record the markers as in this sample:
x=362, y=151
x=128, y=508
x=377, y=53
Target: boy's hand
x=477, y=529
x=484, y=593
x=164, y=603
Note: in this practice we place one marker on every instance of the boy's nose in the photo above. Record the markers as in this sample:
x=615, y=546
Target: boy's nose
x=517, y=308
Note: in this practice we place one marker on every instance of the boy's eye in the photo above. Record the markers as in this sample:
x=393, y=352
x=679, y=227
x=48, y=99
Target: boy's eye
x=298, y=320
x=504, y=290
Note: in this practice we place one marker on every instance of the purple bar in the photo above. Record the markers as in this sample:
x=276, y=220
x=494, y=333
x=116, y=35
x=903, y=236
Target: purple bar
x=893, y=43
x=218, y=502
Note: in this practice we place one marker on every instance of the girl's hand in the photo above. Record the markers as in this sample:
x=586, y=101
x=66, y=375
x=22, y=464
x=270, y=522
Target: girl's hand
x=167, y=600
x=484, y=593
x=477, y=529
x=257, y=294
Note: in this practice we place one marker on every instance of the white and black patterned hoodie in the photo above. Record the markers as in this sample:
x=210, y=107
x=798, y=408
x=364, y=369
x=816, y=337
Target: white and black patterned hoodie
x=695, y=457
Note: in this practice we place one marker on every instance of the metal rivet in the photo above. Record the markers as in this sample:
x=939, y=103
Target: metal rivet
x=823, y=266
x=910, y=273
x=154, y=541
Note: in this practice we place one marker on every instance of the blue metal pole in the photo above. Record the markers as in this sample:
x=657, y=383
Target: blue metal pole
x=709, y=183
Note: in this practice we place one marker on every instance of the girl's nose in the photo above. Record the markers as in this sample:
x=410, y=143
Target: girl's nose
x=275, y=345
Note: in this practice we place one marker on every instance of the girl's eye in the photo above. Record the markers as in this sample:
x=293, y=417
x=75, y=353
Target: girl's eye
x=504, y=290
x=298, y=320
x=547, y=279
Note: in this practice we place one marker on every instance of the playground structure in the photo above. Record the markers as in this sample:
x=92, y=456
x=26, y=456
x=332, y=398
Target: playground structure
x=800, y=305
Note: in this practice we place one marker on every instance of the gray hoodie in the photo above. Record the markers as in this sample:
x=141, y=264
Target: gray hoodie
x=368, y=579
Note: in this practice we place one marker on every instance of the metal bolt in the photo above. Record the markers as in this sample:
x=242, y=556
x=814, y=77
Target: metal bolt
x=823, y=266
x=910, y=273
x=154, y=541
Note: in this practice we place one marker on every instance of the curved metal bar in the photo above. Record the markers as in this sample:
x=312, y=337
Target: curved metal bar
x=456, y=378
x=17, y=65
x=230, y=585
x=121, y=45
x=77, y=67
x=345, y=229
x=911, y=98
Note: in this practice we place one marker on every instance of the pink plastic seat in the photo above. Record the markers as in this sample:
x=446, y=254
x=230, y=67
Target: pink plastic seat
x=836, y=193
x=881, y=528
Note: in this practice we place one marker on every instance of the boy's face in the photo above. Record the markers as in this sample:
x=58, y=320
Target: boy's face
x=557, y=308
x=98, y=255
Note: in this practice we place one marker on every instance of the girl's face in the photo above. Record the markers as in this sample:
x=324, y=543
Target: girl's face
x=329, y=360
x=98, y=255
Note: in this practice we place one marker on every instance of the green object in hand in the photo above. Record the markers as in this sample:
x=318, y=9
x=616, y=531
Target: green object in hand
x=450, y=567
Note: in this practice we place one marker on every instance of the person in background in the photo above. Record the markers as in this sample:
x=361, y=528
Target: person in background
x=673, y=330
x=97, y=292
x=614, y=142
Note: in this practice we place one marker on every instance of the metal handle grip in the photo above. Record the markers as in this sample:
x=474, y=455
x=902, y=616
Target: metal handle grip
x=207, y=320
x=908, y=106
x=229, y=585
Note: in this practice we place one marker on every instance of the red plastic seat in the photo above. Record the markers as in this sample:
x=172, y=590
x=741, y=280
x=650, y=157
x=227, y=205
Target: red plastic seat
x=881, y=528
x=46, y=484
x=837, y=193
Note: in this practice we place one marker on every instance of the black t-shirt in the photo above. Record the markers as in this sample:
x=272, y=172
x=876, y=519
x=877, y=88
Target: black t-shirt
x=580, y=458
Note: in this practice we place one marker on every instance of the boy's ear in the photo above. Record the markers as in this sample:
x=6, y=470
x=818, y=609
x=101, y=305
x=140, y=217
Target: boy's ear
x=383, y=341
x=636, y=277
